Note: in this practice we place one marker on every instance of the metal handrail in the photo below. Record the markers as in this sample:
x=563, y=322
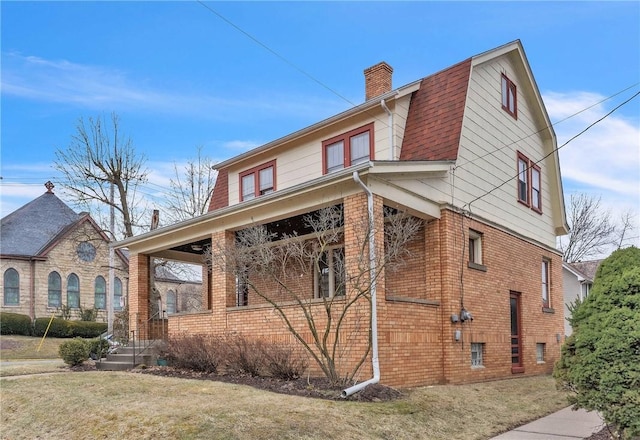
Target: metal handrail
x=144, y=334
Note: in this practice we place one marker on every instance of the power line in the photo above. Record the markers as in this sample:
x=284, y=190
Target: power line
x=490, y=153
x=552, y=151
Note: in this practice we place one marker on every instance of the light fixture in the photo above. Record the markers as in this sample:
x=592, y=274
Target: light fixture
x=196, y=247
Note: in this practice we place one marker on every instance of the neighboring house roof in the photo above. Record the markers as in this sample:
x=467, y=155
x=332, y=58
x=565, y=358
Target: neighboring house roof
x=29, y=230
x=586, y=268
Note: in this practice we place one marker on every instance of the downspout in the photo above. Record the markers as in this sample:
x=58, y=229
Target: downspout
x=374, y=315
x=390, y=124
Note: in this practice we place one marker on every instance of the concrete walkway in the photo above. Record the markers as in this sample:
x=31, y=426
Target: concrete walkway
x=565, y=424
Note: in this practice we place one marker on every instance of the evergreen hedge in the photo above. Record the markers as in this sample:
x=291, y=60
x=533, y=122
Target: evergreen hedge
x=600, y=361
x=14, y=324
x=61, y=328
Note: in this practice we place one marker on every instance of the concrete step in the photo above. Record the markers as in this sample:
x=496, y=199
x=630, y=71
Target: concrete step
x=123, y=357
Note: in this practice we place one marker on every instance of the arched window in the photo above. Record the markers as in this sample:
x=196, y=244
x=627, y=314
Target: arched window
x=117, y=294
x=73, y=291
x=100, y=293
x=171, y=302
x=55, y=290
x=11, y=287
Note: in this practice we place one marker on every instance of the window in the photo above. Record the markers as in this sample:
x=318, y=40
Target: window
x=475, y=250
x=55, y=290
x=540, y=349
x=171, y=302
x=11, y=287
x=477, y=354
x=347, y=149
x=523, y=179
x=536, y=200
x=509, y=97
x=100, y=293
x=586, y=288
x=73, y=291
x=258, y=181
x=529, y=183
x=242, y=288
x=117, y=294
x=545, y=284
x=329, y=277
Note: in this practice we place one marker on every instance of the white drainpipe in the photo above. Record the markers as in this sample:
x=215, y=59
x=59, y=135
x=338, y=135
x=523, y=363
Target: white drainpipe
x=391, y=147
x=374, y=316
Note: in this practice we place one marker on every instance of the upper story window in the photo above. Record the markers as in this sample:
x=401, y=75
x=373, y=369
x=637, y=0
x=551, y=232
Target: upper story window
x=475, y=250
x=347, y=149
x=258, y=181
x=529, y=183
x=509, y=97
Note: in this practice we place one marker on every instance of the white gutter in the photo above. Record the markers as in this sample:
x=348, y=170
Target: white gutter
x=374, y=315
x=390, y=123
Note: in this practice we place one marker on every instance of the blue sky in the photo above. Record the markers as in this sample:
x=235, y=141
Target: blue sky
x=180, y=76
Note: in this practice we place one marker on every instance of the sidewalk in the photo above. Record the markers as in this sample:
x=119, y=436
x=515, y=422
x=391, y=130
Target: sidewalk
x=562, y=425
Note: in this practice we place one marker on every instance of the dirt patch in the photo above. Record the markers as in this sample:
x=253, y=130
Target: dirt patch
x=314, y=387
x=605, y=433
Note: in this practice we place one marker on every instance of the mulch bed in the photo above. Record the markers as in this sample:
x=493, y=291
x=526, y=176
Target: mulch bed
x=315, y=387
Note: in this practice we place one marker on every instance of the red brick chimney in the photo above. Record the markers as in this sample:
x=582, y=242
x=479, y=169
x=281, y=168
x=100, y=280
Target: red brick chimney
x=377, y=80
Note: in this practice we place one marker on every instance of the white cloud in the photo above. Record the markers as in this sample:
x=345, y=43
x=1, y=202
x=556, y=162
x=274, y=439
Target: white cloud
x=605, y=160
x=99, y=87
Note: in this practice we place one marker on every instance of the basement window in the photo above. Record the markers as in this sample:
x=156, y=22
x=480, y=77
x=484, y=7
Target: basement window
x=477, y=354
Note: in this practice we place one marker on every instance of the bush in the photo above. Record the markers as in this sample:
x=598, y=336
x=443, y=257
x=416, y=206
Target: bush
x=98, y=348
x=195, y=352
x=15, y=324
x=600, y=361
x=74, y=352
x=88, y=315
x=246, y=356
x=61, y=328
x=285, y=362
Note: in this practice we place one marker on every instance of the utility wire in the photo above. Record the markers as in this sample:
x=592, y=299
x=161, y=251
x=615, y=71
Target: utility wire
x=553, y=124
x=553, y=151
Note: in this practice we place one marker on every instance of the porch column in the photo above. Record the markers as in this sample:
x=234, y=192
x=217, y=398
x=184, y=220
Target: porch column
x=138, y=292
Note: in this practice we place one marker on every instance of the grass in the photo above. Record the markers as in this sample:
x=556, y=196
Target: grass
x=20, y=355
x=127, y=405
x=116, y=405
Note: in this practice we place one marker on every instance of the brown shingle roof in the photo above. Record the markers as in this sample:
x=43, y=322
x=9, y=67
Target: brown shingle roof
x=220, y=196
x=435, y=115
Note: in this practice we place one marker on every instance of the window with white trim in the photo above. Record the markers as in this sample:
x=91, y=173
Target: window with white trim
x=258, y=181
x=477, y=354
x=509, y=97
x=172, y=302
x=347, y=149
x=329, y=274
x=545, y=284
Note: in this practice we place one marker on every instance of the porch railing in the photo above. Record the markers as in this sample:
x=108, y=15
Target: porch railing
x=148, y=333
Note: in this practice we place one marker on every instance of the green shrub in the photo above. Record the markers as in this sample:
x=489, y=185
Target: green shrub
x=88, y=314
x=600, y=361
x=61, y=328
x=74, y=352
x=98, y=348
x=14, y=324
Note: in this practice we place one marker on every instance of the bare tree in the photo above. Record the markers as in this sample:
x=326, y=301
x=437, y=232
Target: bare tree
x=191, y=189
x=272, y=266
x=97, y=157
x=592, y=230
x=628, y=223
